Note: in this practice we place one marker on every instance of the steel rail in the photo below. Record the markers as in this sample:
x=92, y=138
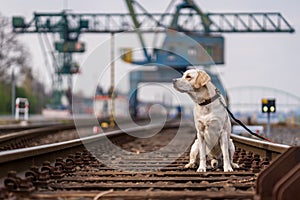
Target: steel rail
x=11, y=159
x=35, y=131
x=24, y=138
x=266, y=149
x=20, y=127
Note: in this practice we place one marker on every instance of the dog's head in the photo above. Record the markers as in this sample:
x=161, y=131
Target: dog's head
x=191, y=80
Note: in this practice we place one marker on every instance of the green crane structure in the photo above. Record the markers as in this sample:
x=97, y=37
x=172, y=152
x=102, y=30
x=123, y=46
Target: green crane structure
x=187, y=18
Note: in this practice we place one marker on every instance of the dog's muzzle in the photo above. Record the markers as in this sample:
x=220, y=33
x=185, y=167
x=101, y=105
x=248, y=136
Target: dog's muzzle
x=175, y=80
x=176, y=84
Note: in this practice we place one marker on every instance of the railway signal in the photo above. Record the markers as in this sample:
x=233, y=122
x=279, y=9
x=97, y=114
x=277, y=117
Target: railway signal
x=268, y=106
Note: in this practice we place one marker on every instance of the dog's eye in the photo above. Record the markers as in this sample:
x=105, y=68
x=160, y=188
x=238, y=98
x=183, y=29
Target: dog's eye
x=188, y=77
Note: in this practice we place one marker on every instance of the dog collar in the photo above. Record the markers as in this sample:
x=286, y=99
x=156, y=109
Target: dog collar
x=208, y=101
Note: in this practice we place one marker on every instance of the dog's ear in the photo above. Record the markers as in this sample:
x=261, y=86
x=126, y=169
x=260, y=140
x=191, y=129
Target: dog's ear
x=201, y=79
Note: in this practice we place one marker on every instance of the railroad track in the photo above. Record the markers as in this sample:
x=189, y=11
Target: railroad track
x=9, y=128
x=20, y=136
x=36, y=136
x=118, y=165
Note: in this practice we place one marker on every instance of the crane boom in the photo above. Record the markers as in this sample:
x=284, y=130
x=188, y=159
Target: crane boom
x=258, y=22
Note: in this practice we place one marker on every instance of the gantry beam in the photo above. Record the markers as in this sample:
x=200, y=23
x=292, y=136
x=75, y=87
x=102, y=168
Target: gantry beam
x=159, y=22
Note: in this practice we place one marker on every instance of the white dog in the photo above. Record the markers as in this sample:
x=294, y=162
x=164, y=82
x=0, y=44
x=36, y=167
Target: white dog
x=211, y=121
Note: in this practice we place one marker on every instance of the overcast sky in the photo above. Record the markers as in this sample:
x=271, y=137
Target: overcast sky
x=261, y=59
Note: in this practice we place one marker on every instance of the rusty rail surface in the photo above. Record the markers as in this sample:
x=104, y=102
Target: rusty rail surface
x=48, y=133
x=23, y=139
x=263, y=148
x=69, y=170
x=4, y=129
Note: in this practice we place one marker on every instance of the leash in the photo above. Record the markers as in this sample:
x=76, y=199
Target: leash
x=239, y=122
x=244, y=126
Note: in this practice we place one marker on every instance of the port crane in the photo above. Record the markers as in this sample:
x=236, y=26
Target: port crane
x=188, y=18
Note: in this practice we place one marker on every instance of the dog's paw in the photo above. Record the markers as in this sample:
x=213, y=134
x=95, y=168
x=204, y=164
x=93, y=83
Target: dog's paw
x=190, y=166
x=235, y=166
x=228, y=169
x=214, y=163
x=201, y=169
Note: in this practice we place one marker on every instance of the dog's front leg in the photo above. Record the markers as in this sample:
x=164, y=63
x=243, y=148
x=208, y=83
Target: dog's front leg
x=193, y=155
x=231, y=153
x=202, y=152
x=225, y=151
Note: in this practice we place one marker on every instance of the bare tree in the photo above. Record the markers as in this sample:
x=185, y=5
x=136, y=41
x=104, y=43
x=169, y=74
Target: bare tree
x=12, y=52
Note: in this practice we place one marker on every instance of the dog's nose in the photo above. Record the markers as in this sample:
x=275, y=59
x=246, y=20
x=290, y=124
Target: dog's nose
x=174, y=80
